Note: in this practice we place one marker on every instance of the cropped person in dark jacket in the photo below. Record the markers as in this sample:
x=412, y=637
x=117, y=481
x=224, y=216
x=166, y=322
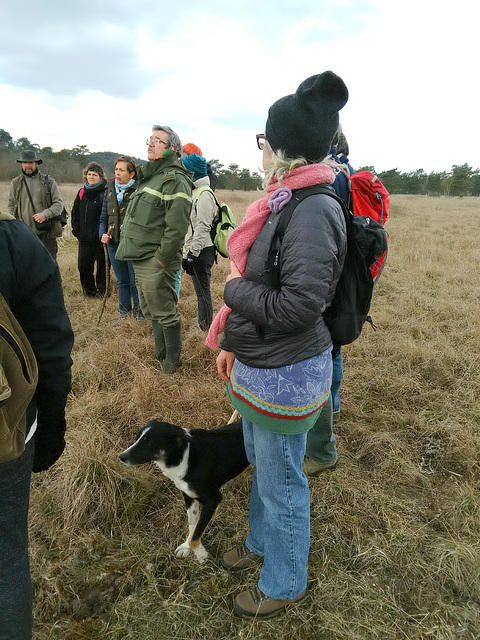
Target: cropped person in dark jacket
x=30, y=283
x=276, y=348
x=86, y=211
x=321, y=442
x=115, y=202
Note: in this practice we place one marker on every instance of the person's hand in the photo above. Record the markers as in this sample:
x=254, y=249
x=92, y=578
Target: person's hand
x=105, y=238
x=162, y=264
x=39, y=217
x=234, y=272
x=47, y=450
x=225, y=360
x=188, y=263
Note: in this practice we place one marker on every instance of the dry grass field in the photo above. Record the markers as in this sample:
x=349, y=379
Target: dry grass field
x=395, y=545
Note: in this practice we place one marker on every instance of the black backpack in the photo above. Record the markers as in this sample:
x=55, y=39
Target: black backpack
x=366, y=242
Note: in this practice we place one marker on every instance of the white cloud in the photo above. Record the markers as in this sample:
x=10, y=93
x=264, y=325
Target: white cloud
x=212, y=75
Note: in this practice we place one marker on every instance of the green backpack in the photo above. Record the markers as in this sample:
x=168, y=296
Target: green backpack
x=222, y=225
x=18, y=381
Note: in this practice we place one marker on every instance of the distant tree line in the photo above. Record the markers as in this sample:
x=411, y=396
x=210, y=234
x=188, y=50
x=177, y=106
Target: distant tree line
x=235, y=178
x=67, y=166
x=462, y=180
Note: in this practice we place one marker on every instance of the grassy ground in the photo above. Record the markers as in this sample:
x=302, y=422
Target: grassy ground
x=395, y=546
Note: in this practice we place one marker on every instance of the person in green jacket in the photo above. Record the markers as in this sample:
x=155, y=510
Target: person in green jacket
x=152, y=236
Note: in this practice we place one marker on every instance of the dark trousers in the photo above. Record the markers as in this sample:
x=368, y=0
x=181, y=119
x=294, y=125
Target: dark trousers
x=50, y=244
x=201, y=282
x=15, y=583
x=90, y=253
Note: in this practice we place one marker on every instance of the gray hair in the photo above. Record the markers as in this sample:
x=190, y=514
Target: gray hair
x=173, y=139
x=280, y=166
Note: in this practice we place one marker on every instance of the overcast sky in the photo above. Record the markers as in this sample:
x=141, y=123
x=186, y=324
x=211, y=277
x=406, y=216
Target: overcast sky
x=101, y=73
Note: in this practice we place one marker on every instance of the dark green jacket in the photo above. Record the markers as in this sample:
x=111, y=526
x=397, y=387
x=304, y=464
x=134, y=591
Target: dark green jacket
x=158, y=214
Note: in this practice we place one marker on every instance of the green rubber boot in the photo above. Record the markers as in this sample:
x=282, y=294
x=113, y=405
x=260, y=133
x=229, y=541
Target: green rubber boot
x=160, y=347
x=173, y=342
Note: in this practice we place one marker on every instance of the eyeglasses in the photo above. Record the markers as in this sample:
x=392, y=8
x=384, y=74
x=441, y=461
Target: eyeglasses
x=156, y=141
x=261, y=140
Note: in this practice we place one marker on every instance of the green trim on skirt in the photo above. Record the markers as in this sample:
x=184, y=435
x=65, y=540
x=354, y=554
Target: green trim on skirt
x=269, y=423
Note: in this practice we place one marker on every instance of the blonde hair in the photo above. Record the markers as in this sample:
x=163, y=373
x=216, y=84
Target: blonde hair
x=280, y=166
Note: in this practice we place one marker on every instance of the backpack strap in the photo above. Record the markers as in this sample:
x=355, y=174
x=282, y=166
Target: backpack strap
x=202, y=190
x=29, y=194
x=48, y=188
x=340, y=167
x=272, y=263
x=300, y=195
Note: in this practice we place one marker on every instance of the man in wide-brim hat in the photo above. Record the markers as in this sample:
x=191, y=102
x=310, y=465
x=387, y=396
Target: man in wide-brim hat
x=28, y=157
x=35, y=198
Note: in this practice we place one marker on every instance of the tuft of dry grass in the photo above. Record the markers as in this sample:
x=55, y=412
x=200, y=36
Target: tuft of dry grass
x=395, y=530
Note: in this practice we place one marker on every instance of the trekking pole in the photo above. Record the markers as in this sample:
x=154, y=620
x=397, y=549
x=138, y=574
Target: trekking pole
x=107, y=276
x=235, y=416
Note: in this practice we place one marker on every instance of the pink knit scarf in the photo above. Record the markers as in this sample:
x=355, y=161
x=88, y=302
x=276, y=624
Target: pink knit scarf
x=242, y=238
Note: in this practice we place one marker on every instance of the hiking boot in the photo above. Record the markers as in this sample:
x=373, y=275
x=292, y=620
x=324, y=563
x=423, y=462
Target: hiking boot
x=312, y=467
x=255, y=604
x=240, y=558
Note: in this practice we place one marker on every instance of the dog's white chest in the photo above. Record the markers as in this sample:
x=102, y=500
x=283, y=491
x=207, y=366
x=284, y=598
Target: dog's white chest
x=177, y=474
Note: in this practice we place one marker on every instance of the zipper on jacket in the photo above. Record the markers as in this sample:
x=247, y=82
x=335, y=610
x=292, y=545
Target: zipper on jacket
x=16, y=349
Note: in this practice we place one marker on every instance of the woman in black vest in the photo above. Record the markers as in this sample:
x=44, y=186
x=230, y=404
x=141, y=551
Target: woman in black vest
x=117, y=196
x=85, y=222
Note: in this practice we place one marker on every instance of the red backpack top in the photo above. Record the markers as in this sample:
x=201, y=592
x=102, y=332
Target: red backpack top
x=371, y=200
x=369, y=197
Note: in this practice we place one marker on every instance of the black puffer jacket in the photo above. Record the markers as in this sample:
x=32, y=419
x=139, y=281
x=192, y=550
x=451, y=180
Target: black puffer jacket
x=274, y=327
x=86, y=213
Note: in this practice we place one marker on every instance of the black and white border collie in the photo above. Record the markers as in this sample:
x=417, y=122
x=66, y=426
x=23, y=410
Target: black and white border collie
x=199, y=462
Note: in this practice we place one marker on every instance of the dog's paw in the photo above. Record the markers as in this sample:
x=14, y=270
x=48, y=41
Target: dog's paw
x=183, y=550
x=201, y=553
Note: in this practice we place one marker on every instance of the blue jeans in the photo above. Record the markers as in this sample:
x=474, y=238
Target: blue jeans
x=279, y=516
x=15, y=583
x=337, y=375
x=127, y=290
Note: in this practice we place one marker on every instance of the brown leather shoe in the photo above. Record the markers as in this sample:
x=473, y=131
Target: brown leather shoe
x=255, y=604
x=240, y=558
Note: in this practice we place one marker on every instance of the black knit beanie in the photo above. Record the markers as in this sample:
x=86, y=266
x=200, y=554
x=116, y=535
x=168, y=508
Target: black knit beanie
x=304, y=123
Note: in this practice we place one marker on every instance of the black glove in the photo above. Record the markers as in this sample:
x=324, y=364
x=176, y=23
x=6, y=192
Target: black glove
x=188, y=263
x=48, y=448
